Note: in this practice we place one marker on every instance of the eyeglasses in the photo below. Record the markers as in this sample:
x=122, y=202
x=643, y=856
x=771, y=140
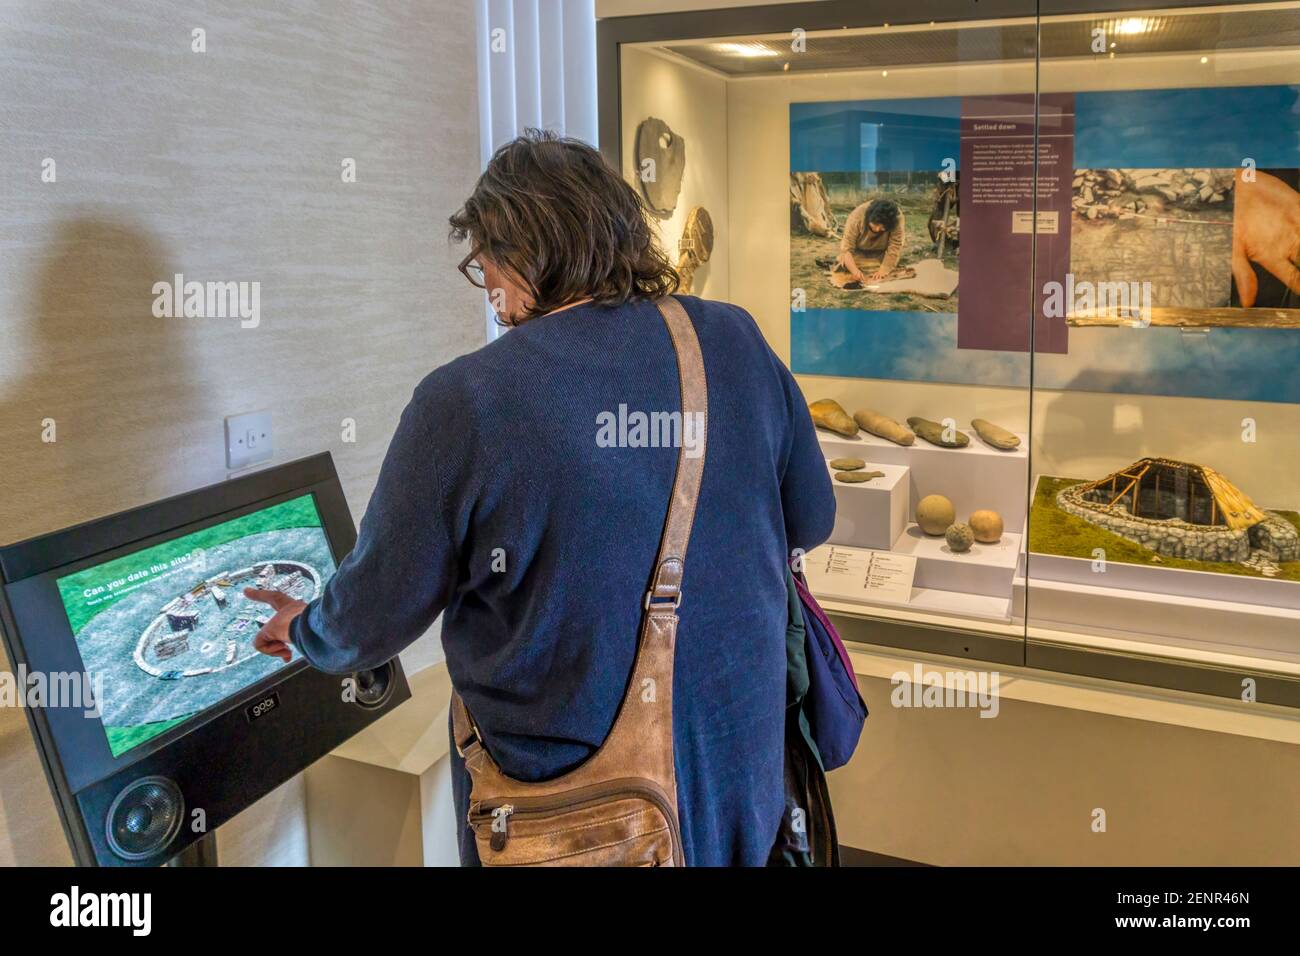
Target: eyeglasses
x=472, y=271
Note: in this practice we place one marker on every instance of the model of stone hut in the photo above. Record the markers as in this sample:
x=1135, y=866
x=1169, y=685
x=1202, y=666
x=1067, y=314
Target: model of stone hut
x=1182, y=510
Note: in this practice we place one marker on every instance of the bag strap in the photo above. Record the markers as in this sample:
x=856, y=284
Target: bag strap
x=670, y=563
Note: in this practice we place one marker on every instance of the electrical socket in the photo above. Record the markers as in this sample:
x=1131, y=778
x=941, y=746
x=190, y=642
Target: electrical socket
x=248, y=439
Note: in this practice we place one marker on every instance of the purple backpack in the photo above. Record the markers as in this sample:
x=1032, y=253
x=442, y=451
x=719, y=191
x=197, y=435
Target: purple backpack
x=833, y=705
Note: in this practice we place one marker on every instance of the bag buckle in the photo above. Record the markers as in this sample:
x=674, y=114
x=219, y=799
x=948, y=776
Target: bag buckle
x=473, y=739
x=664, y=604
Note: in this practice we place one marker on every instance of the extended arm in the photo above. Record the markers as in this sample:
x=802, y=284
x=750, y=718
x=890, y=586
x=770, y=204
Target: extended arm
x=396, y=580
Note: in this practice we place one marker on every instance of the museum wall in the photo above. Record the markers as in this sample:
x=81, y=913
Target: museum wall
x=1075, y=433
x=224, y=165
x=694, y=104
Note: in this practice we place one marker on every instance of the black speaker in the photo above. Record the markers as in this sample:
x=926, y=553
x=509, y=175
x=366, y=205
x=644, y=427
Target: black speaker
x=144, y=817
x=375, y=686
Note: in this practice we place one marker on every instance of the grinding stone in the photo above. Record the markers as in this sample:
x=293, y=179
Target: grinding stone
x=995, y=435
x=987, y=526
x=934, y=514
x=847, y=464
x=933, y=433
x=959, y=537
x=856, y=477
x=830, y=414
x=883, y=427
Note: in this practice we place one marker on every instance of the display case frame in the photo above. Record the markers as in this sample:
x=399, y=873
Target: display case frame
x=1027, y=645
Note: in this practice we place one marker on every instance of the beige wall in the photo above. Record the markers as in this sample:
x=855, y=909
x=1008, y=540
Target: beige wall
x=224, y=165
x=693, y=103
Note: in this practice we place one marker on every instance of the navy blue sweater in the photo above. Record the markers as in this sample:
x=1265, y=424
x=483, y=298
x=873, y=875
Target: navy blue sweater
x=497, y=507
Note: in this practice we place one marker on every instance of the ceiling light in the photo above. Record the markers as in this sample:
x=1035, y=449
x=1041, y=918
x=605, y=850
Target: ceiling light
x=1132, y=25
x=745, y=49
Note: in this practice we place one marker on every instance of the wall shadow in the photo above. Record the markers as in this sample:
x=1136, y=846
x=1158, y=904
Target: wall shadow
x=87, y=353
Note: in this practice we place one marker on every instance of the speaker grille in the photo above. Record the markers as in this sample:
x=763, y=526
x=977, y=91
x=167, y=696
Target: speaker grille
x=144, y=818
x=374, y=687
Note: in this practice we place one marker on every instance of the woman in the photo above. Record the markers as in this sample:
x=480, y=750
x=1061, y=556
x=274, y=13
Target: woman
x=501, y=506
x=874, y=230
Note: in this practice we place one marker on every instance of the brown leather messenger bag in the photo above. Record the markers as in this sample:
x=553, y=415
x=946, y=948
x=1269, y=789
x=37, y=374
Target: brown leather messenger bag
x=619, y=808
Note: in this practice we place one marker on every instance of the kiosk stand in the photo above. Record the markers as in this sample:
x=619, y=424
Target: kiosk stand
x=162, y=722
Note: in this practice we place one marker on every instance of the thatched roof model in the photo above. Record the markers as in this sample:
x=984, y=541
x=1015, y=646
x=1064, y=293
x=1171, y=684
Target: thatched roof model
x=1138, y=487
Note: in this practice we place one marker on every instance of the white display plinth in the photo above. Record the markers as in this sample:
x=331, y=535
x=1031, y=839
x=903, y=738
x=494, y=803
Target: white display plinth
x=972, y=478
x=383, y=798
x=987, y=569
x=871, y=514
x=1249, y=629
x=975, y=583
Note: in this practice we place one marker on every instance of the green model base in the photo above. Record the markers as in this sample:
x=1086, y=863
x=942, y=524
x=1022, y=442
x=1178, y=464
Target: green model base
x=1053, y=531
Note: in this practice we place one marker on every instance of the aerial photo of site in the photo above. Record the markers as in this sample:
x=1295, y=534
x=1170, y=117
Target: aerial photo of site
x=167, y=631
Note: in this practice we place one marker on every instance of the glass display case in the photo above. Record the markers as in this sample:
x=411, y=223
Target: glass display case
x=1083, y=458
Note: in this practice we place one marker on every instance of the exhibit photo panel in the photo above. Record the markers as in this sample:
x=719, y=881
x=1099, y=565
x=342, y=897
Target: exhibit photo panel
x=1165, y=512
x=869, y=168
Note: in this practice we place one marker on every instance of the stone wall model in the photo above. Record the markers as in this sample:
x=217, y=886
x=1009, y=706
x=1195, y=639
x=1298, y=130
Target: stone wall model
x=1277, y=538
x=1171, y=537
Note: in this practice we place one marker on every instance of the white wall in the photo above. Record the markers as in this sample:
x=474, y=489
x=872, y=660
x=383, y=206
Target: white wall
x=223, y=165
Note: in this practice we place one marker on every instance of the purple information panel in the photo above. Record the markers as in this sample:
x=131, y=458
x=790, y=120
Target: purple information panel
x=997, y=219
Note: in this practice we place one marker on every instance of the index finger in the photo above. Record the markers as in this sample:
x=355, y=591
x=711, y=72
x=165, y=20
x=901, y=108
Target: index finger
x=276, y=599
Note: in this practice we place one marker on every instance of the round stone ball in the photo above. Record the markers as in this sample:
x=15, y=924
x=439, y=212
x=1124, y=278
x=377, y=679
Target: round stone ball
x=987, y=526
x=934, y=514
x=959, y=536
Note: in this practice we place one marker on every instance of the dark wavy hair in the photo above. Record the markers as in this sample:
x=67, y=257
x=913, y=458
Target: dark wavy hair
x=884, y=212
x=552, y=212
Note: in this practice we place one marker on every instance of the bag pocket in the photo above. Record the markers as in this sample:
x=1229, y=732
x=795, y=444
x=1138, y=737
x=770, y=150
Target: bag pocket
x=588, y=827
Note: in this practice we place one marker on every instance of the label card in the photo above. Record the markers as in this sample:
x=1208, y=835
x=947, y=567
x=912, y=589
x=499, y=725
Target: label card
x=861, y=575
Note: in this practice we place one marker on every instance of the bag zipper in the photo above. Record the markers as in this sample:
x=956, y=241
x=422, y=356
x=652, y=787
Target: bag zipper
x=490, y=811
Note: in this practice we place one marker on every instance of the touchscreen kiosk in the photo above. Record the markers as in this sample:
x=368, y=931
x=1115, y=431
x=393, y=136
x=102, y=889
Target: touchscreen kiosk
x=131, y=639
